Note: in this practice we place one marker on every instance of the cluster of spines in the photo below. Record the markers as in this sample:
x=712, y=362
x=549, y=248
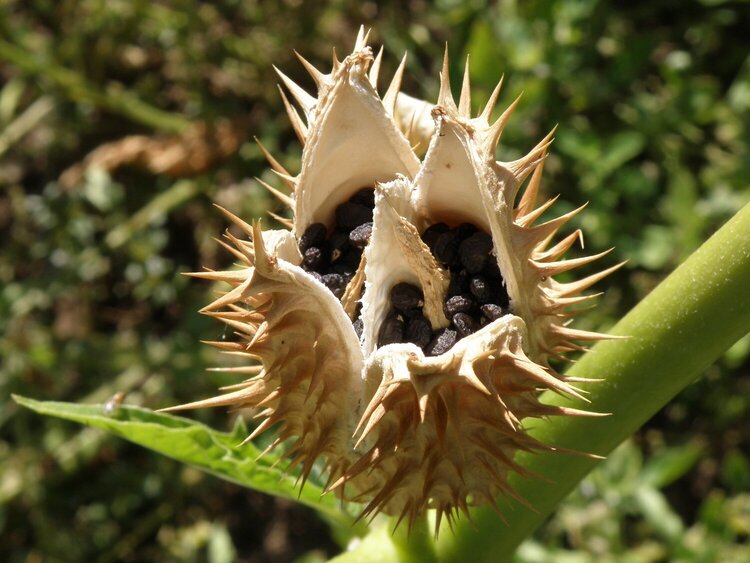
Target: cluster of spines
x=420, y=430
x=550, y=301
x=290, y=383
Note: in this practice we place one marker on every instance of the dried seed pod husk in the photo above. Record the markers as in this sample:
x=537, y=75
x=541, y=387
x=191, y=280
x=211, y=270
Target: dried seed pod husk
x=402, y=431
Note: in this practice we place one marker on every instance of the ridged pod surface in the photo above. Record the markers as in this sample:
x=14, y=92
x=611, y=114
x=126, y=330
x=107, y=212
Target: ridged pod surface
x=399, y=430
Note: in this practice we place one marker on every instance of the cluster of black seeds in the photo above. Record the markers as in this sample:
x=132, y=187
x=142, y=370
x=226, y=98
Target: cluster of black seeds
x=476, y=294
x=405, y=321
x=333, y=259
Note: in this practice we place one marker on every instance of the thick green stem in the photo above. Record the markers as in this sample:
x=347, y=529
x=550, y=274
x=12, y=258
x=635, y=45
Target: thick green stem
x=403, y=546
x=682, y=327
x=415, y=545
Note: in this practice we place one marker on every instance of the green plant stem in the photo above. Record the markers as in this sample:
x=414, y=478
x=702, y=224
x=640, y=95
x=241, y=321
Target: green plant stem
x=415, y=545
x=403, y=546
x=682, y=327
x=25, y=122
x=78, y=89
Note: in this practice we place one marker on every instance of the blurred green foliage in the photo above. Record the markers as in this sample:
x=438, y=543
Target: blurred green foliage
x=653, y=102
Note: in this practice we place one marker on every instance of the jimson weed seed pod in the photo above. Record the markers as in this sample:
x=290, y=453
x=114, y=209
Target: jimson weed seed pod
x=400, y=329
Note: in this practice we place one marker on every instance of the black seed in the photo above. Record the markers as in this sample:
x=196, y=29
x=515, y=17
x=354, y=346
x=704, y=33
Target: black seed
x=492, y=311
x=501, y=296
x=483, y=321
x=491, y=269
x=459, y=283
x=360, y=236
x=365, y=196
x=474, y=251
x=443, y=341
x=351, y=215
x=352, y=257
x=481, y=289
x=344, y=270
x=405, y=296
x=313, y=236
x=446, y=249
x=431, y=234
x=492, y=273
x=457, y=304
x=358, y=327
x=465, y=230
x=391, y=331
x=317, y=276
x=339, y=268
x=339, y=242
x=418, y=331
x=504, y=300
x=464, y=324
x=313, y=258
x=336, y=283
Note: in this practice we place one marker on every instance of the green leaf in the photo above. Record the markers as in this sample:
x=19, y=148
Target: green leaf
x=735, y=471
x=220, y=546
x=218, y=453
x=670, y=464
x=660, y=515
x=621, y=148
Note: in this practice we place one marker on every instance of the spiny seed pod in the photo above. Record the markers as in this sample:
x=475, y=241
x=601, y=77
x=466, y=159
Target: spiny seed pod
x=416, y=404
